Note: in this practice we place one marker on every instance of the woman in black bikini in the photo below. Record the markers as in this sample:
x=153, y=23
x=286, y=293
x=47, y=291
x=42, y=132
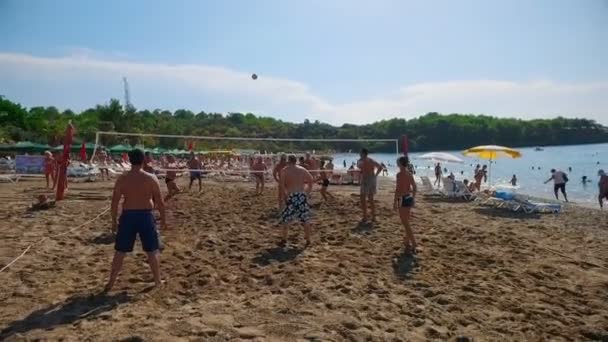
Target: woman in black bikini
x=405, y=194
x=325, y=181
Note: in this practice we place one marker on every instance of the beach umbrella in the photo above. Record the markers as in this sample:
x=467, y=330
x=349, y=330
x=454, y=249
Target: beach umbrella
x=492, y=152
x=441, y=157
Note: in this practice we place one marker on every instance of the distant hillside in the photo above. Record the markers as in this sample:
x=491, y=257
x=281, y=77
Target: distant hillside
x=432, y=131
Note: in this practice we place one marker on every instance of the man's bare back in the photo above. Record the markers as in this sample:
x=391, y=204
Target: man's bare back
x=369, y=167
x=139, y=189
x=294, y=177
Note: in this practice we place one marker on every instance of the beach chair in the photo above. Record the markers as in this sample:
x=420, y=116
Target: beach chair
x=461, y=191
x=529, y=207
x=449, y=188
x=426, y=183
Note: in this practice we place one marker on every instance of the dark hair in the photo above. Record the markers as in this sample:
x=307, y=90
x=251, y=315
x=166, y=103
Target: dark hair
x=364, y=151
x=147, y=154
x=136, y=157
x=292, y=159
x=403, y=161
x=552, y=170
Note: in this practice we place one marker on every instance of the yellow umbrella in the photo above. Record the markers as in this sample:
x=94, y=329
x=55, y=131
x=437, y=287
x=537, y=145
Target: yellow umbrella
x=491, y=152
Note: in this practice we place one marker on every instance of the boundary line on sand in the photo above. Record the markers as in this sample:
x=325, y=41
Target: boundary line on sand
x=53, y=236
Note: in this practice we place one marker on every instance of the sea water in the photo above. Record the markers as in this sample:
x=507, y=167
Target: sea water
x=532, y=169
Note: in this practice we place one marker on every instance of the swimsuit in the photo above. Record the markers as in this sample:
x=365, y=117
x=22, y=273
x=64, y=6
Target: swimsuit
x=195, y=175
x=133, y=223
x=368, y=185
x=407, y=201
x=560, y=186
x=296, y=207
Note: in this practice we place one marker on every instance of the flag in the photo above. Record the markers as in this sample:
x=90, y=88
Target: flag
x=405, y=146
x=62, y=179
x=83, y=152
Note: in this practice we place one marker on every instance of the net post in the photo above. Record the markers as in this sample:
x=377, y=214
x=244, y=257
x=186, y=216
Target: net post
x=95, y=147
x=397, y=148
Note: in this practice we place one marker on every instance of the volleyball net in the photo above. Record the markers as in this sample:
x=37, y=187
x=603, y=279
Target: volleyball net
x=233, y=154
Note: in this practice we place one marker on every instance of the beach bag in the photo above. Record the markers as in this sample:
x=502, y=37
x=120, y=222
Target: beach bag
x=566, y=178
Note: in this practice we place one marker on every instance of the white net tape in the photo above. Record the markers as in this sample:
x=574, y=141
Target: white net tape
x=240, y=168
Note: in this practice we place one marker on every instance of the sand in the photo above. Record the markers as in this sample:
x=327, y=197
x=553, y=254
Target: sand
x=484, y=274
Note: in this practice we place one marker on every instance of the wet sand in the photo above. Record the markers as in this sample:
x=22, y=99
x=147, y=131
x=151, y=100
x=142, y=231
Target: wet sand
x=482, y=273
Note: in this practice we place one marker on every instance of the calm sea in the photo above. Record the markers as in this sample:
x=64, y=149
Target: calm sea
x=532, y=169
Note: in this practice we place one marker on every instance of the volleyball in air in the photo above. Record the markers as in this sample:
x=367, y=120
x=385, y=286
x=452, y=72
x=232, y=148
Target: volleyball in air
x=254, y=77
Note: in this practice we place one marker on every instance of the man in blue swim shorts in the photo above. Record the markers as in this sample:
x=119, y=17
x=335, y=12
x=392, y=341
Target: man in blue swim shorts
x=141, y=193
x=293, y=177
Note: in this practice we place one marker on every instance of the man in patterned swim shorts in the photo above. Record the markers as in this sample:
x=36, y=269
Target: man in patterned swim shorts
x=293, y=177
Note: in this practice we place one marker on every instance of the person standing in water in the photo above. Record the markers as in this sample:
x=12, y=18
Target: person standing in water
x=369, y=171
x=603, y=187
x=438, y=173
x=514, y=180
x=293, y=179
x=405, y=195
x=141, y=193
x=559, y=183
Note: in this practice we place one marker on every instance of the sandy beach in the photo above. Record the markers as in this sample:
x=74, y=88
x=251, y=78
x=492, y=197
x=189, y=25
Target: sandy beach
x=483, y=273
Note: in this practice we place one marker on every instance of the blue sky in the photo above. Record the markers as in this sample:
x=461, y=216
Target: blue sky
x=335, y=60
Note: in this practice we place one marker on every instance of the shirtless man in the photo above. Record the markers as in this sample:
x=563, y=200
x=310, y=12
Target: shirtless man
x=141, y=193
x=311, y=165
x=170, y=177
x=258, y=168
x=370, y=169
x=276, y=173
x=195, y=164
x=148, y=160
x=293, y=177
x=102, y=158
x=325, y=174
x=405, y=195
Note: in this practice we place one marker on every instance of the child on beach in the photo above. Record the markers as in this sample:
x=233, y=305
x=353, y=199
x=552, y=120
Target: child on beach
x=405, y=194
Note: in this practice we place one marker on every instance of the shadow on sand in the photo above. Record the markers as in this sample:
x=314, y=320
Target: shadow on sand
x=403, y=264
x=73, y=309
x=277, y=254
x=506, y=213
x=363, y=228
x=104, y=239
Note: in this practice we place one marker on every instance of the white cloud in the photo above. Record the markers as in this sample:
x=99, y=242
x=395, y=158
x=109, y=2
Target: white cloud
x=84, y=79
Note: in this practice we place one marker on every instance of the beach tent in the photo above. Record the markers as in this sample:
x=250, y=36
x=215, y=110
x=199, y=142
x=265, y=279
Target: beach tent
x=492, y=152
x=156, y=150
x=120, y=148
x=76, y=147
x=25, y=146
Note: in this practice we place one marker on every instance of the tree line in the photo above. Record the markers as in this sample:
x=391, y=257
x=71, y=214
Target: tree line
x=432, y=131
